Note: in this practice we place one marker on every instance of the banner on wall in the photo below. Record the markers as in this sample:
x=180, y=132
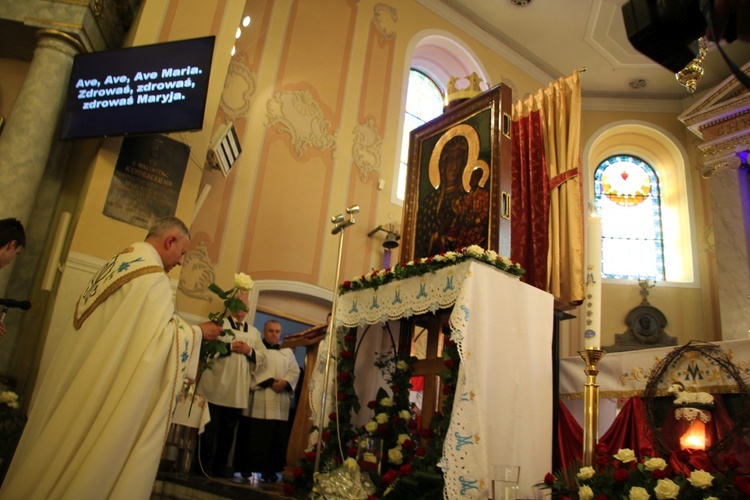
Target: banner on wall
x=147, y=180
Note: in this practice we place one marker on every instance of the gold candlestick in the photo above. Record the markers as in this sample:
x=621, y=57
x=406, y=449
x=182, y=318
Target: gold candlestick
x=591, y=356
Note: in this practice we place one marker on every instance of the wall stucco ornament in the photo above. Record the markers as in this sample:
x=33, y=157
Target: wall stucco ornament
x=384, y=18
x=197, y=273
x=239, y=88
x=299, y=115
x=366, y=148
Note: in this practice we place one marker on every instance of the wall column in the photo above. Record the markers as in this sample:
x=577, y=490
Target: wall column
x=30, y=128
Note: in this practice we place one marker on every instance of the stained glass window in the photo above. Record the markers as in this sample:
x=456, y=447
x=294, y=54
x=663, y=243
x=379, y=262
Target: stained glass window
x=626, y=192
x=424, y=101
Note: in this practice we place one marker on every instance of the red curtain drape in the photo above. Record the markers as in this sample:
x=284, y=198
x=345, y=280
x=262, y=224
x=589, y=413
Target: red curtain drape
x=547, y=209
x=630, y=430
x=529, y=230
x=569, y=437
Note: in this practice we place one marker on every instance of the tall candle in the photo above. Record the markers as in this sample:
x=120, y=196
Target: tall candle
x=593, y=302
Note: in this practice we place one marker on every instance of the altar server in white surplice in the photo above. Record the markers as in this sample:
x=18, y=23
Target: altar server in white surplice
x=102, y=413
x=271, y=391
x=226, y=386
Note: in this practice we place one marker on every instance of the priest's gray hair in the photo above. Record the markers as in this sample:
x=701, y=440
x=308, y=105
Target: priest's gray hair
x=165, y=226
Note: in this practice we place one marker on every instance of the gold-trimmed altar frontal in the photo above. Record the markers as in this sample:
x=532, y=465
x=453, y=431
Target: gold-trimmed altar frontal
x=625, y=374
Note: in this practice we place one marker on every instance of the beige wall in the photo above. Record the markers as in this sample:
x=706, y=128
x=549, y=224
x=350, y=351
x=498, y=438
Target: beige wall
x=315, y=91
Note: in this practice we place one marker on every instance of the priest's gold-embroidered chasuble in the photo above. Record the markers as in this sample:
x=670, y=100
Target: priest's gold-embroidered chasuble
x=102, y=412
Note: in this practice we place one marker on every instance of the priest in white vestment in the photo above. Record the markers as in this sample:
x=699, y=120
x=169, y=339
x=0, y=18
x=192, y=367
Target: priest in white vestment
x=101, y=415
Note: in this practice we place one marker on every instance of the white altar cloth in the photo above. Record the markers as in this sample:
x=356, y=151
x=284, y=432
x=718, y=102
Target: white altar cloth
x=503, y=407
x=625, y=374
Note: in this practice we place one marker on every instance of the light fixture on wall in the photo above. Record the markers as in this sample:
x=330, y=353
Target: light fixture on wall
x=391, y=237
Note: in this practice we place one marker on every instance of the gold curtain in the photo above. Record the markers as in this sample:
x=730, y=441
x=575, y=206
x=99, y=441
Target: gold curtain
x=560, y=107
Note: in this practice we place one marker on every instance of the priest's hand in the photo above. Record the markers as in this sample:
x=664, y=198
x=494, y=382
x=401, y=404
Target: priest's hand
x=210, y=330
x=279, y=385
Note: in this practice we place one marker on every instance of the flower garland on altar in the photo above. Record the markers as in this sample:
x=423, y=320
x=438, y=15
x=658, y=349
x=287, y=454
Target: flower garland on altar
x=410, y=455
x=623, y=475
x=420, y=266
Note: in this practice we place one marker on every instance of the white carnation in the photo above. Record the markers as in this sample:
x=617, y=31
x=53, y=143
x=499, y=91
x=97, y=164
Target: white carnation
x=475, y=250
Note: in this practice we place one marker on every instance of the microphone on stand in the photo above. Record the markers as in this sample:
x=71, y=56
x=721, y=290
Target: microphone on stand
x=10, y=303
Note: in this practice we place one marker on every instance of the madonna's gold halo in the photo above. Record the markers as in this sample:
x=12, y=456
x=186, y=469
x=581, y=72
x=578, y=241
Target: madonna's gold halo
x=472, y=160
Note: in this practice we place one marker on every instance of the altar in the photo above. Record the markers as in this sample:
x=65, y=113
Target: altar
x=502, y=413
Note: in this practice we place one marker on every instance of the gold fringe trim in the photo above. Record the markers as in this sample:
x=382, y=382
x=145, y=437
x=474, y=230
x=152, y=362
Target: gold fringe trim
x=78, y=321
x=712, y=389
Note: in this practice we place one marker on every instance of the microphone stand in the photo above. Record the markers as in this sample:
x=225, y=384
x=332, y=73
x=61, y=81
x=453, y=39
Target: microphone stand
x=340, y=224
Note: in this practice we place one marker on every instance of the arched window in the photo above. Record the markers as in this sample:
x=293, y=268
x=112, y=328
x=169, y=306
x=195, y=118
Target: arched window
x=627, y=197
x=424, y=101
